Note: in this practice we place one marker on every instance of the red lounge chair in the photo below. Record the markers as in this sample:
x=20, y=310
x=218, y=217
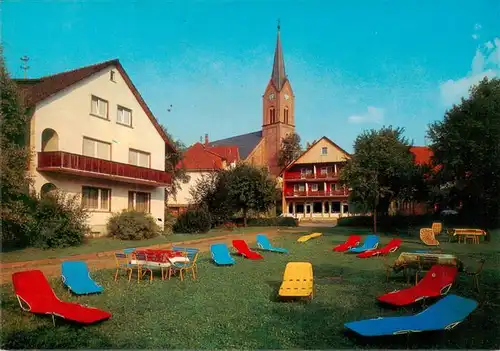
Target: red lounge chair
x=436, y=282
x=243, y=249
x=352, y=241
x=392, y=246
x=36, y=296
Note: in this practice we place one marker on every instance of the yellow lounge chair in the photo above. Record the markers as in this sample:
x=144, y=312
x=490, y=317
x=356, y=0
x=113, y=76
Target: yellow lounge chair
x=297, y=280
x=427, y=236
x=304, y=238
x=437, y=228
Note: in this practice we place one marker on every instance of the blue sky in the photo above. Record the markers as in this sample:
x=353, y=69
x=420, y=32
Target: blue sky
x=353, y=65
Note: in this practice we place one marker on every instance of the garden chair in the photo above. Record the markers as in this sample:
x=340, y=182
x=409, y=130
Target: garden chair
x=352, y=241
x=298, y=280
x=445, y=314
x=437, y=228
x=392, y=246
x=243, y=249
x=35, y=295
x=475, y=274
x=189, y=252
x=145, y=266
x=436, y=282
x=264, y=243
x=221, y=255
x=76, y=276
x=427, y=236
x=122, y=261
x=371, y=242
x=184, y=267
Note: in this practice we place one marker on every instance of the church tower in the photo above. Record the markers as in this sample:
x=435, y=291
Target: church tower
x=278, y=117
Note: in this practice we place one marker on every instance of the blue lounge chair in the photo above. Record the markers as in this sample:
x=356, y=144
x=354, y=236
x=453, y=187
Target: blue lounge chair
x=221, y=254
x=264, y=244
x=76, y=276
x=445, y=314
x=371, y=242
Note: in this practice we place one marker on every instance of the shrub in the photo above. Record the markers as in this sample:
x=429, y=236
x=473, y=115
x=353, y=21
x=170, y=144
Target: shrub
x=273, y=222
x=169, y=222
x=132, y=225
x=58, y=220
x=193, y=221
x=387, y=223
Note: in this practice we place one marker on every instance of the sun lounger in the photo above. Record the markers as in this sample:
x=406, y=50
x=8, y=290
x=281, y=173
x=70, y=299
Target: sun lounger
x=445, y=314
x=76, y=276
x=221, y=255
x=264, y=244
x=36, y=296
x=371, y=242
x=297, y=280
x=243, y=249
x=436, y=282
x=352, y=241
x=392, y=246
x=428, y=237
x=304, y=238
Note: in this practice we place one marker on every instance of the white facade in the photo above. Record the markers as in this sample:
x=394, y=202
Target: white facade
x=69, y=121
x=183, y=197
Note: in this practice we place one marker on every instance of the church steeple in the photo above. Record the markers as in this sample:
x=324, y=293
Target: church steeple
x=278, y=76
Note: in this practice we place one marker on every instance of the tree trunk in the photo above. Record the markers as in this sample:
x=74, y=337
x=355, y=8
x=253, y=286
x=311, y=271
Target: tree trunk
x=245, y=217
x=375, y=221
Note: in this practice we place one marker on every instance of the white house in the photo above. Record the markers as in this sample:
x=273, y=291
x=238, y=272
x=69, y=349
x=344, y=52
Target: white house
x=93, y=135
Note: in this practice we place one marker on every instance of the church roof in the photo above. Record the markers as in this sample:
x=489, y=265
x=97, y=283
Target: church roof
x=245, y=142
x=278, y=76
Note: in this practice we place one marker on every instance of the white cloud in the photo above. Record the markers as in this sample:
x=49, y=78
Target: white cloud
x=475, y=36
x=477, y=26
x=372, y=115
x=485, y=63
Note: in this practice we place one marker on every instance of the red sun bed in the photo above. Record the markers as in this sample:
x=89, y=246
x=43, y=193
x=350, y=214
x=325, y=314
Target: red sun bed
x=36, y=296
x=392, y=246
x=352, y=241
x=243, y=249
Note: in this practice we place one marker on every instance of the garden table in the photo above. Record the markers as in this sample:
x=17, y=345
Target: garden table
x=466, y=233
x=428, y=259
x=164, y=258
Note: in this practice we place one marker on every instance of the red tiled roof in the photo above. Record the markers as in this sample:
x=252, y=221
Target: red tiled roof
x=197, y=157
x=423, y=154
x=37, y=90
x=229, y=152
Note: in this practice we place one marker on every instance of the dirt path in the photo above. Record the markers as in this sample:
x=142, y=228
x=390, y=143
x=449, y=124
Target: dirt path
x=101, y=260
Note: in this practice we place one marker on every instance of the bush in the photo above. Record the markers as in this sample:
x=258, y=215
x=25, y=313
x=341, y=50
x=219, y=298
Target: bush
x=193, y=221
x=58, y=220
x=169, y=223
x=132, y=225
x=387, y=223
x=273, y=222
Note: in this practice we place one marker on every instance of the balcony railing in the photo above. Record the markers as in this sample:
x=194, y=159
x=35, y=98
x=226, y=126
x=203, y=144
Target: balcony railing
x=318, y=193
x=310, y=176
x=98, y=168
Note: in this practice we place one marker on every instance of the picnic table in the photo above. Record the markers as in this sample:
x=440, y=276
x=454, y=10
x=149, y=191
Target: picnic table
x=425, y=260
x=162, y=257
x=466, y=233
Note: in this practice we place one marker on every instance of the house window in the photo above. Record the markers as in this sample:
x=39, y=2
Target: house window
x=314, y=187
x=305, y=172
x=299, y=187
x=335, y=186
x=324, y=170
x=96, y=198
x=124, y=116
x=139, y=158
x=286, y=115
x=324, y=151
x=99, y=107
x=139, y=201
x=96, y=148
x=112, y=76
x=272, y=115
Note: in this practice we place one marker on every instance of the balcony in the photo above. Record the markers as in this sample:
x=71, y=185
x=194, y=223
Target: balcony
x=318, y=193
x=311, y=177
x=65, y=162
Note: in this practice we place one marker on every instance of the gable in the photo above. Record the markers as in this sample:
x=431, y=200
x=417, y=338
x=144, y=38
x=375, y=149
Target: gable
x=314, y=155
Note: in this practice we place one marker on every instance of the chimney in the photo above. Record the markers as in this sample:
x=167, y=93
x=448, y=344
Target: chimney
x=206, y=139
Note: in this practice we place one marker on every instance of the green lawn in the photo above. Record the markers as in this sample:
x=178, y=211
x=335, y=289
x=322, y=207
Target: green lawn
x=236, y=307
x=109, y=244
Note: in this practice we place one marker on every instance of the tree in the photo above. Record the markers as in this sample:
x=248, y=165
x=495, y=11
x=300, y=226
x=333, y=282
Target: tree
x=466, y=146
x=380, y=168
x=173, y=159
x=250, y=188
x=290, y=149
x=14, y=159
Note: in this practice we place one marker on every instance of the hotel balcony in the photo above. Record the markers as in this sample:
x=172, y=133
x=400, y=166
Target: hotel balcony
x=318, y=193
x=85, y=166
x=311, y=177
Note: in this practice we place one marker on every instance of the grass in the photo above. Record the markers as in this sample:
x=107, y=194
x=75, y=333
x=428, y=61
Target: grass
x=109, y=244
x=236, y=307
